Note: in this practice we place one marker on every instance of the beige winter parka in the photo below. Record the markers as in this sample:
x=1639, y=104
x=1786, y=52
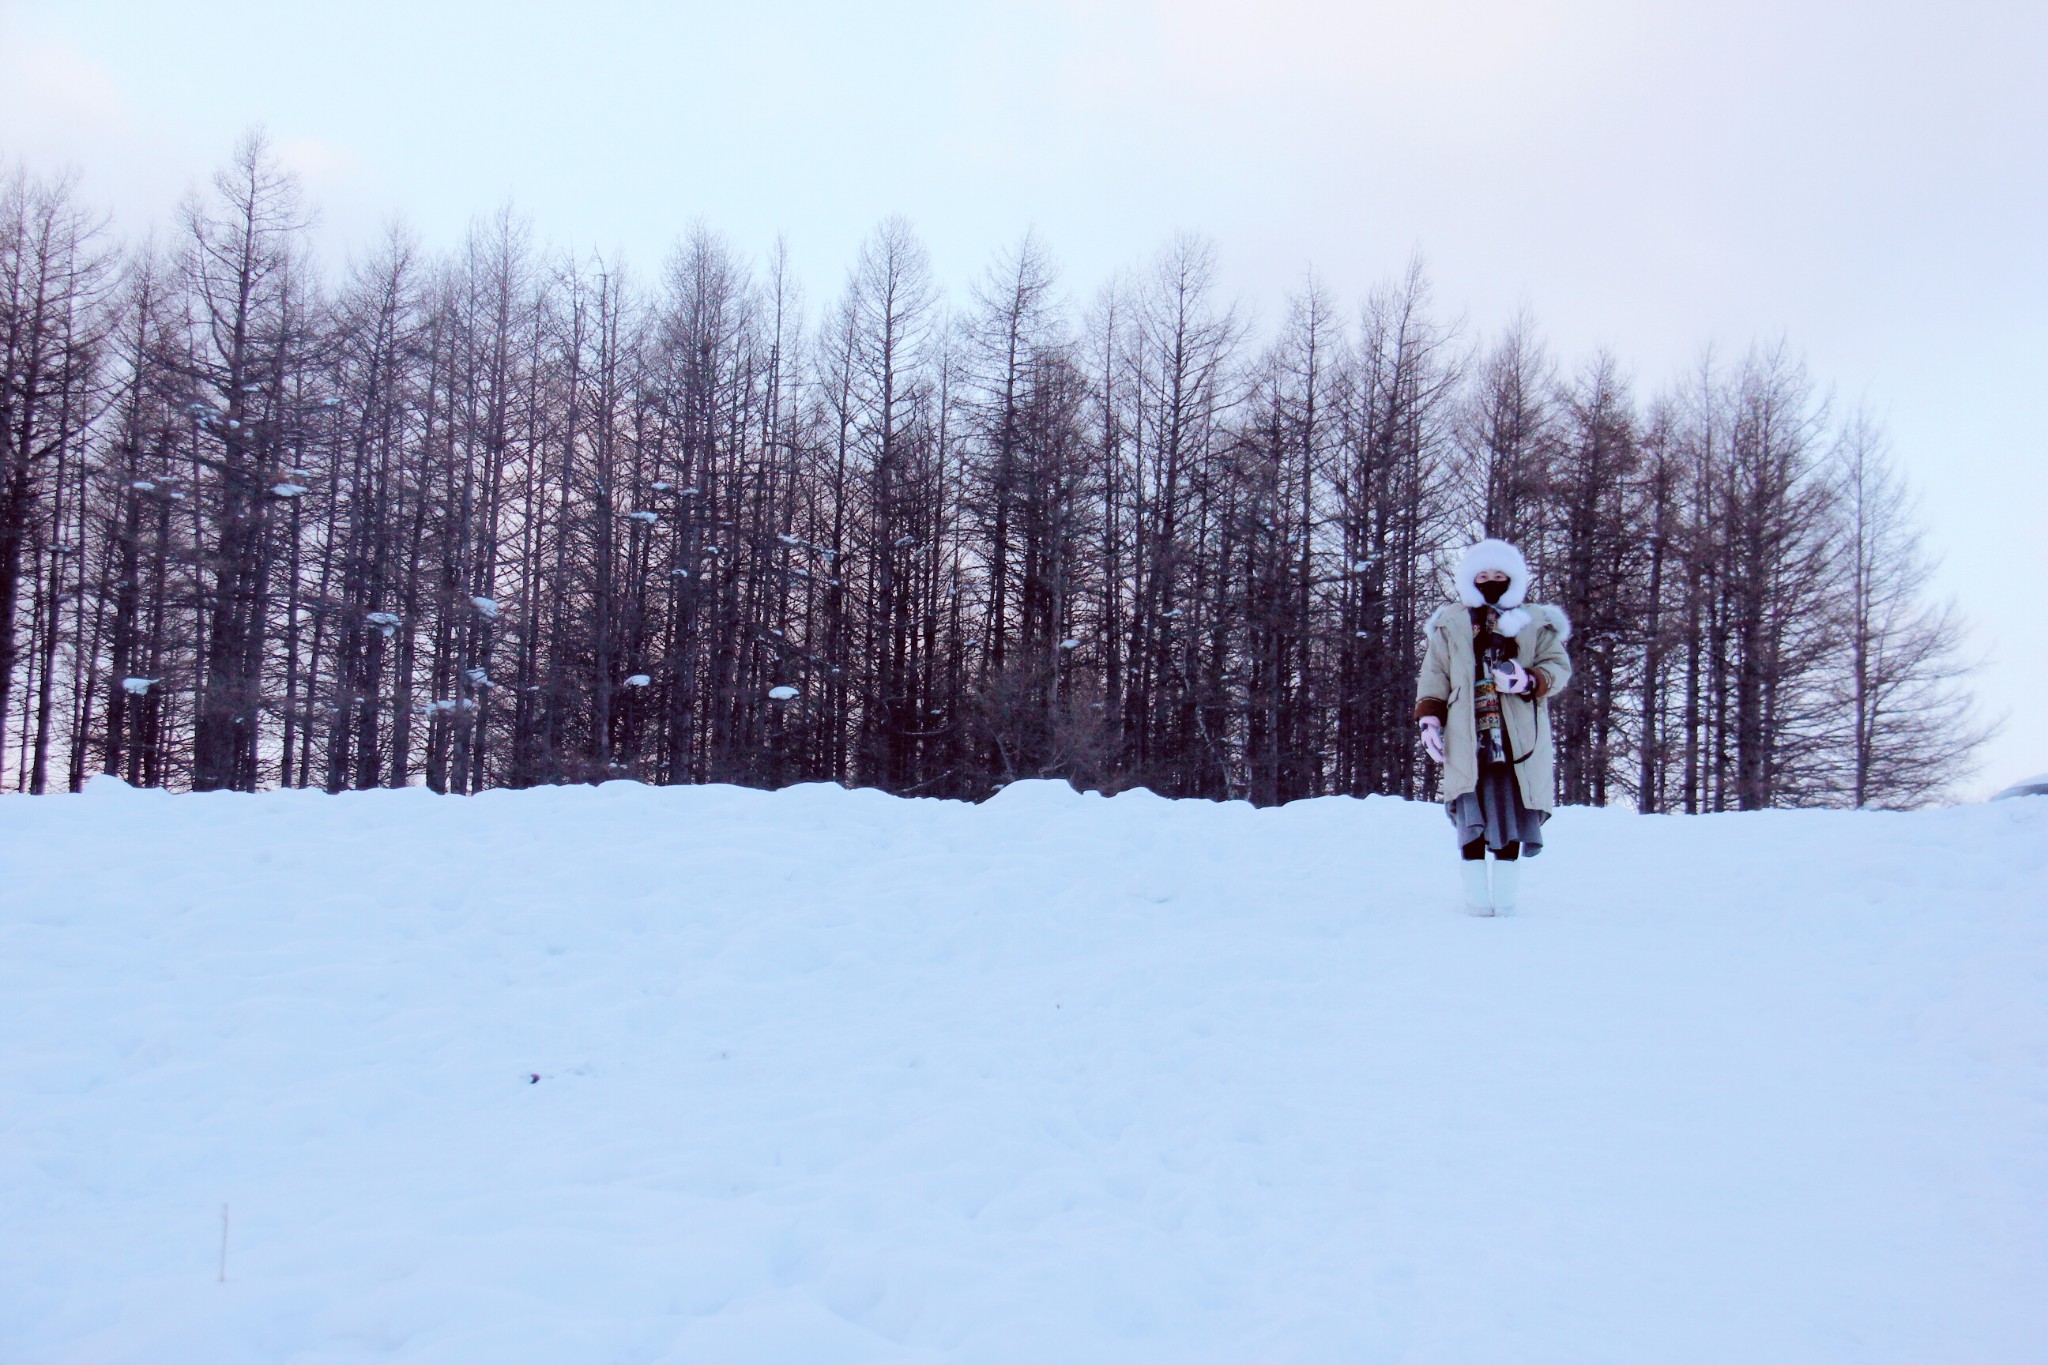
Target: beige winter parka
x=1445, y=690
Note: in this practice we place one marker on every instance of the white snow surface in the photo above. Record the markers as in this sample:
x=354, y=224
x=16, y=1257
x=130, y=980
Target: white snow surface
x=829, y=1076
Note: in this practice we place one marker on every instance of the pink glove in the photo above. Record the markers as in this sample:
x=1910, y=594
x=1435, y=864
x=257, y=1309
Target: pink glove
x=1433, y=738
x=1512, y=677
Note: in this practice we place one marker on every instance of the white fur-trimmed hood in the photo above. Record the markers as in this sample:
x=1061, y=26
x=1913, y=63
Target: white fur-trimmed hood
x=1492, y=554
x=1512, y=622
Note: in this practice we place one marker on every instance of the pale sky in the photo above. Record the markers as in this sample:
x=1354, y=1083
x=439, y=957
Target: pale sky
x=1867, y=180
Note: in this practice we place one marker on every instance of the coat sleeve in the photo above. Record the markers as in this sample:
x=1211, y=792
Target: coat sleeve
x=1433, y=687
x=1551, y=661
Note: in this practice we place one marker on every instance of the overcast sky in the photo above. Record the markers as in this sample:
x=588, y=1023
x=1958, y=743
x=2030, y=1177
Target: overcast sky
x=1867, y=180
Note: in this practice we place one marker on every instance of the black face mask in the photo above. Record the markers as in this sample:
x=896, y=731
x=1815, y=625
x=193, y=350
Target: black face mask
x=1492, y=592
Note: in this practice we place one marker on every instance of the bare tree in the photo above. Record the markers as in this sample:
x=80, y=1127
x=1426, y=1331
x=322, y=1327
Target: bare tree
x=239, y=272
x=1506, y=438
x=1395, y=505
x=1914, y=730
x=1592, y=562
x=53, y=280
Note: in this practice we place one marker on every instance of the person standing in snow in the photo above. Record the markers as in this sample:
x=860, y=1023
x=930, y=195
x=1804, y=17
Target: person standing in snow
x=1490, y=666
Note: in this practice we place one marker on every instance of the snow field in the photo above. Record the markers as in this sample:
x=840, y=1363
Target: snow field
x=829, y=1076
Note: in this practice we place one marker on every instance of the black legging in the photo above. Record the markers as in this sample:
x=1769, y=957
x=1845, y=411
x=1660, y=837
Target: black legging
x=1476, y=850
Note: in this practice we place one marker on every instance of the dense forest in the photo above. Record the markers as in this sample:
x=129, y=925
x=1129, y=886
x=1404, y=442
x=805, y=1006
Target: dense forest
x=504, y=517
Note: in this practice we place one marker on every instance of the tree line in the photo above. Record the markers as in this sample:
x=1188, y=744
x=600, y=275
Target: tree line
x=505, y=517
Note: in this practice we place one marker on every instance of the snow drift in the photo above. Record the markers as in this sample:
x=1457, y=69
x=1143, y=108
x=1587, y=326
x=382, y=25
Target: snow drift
x=716, y=1075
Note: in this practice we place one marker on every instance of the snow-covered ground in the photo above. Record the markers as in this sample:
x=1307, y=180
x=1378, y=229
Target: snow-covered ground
x=827, y=1076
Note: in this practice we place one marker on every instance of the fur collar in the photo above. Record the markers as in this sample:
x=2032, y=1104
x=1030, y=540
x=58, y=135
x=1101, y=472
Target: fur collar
x=1513, y=622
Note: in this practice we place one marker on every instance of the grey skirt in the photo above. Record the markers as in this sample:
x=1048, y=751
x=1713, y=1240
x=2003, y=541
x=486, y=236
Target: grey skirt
x=1495, y=813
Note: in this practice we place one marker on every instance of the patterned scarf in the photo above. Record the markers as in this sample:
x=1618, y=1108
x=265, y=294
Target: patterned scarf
x=1487, y=655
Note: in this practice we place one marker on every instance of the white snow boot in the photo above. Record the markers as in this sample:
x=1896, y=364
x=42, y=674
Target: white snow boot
x=1507, y=877
x=1477, y=901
